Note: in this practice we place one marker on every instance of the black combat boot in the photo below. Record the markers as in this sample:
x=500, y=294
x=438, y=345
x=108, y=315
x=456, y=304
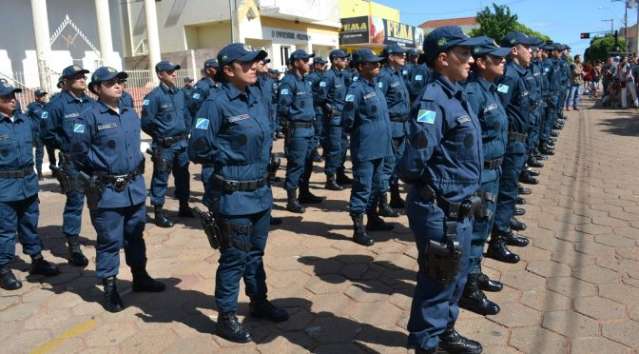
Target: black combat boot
x=517, y=225
x=185, y=210
x=293, y=205
x=473, y=299
x=498, y=250
x=306, y=197
x=396, y=201
x=533, y=162
x=374, y=222
x=532, y=172
x=385, y=209
x=519, y=211
x=526, y=177
x=342, y=178
x=8, y=280
x=487, y=284
x=229, y=328
x=523, y=190
x=41, y=267
x=331, y=183
x=76, y=257
x=161, y=219
x=265, y=309
x=520, y=201
x=359, y=231
x=513, y=239
x=142, y=281
x=112, y=301
x=453, y=343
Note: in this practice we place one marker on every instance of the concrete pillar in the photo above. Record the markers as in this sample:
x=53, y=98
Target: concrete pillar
x=153, y=37
x=104, y=31
x=43, y=46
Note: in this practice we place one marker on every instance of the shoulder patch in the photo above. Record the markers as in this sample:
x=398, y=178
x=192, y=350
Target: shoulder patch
x=78, y=128
x=322, y=84
x=419, y=77
x=426, y=116
x=380, y=84
x=202, y=123
x=355, y=78
x=146, y=102
x=502, y=88
x=196, y=96
x=44, y=115
x=350, y=98
x=284, y=91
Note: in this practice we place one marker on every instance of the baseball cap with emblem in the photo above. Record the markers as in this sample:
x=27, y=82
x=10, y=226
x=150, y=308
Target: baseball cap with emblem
x=105, y=73
x=211, y=63
x=393, y=49
x=514, y=38
x=238, y=52
x=7, y=90
x=166, y=66
x=40, y=92
x=300, y=54
x=337, y=53
x=489, y=47
x=444, y=38
x=365, y=55
x=319, y=60
x=73, y=70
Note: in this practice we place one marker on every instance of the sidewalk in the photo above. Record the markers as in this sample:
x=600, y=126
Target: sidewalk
x=575, y=291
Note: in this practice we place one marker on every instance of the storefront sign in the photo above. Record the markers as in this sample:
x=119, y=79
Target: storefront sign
x=375, y=30
x=281, y=34
x=354, y=30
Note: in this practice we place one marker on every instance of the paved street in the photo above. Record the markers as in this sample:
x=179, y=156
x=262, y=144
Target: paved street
x=575, y=291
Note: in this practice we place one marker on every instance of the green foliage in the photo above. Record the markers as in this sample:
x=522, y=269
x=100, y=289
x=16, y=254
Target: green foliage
x=602, y=47
x=498, y=21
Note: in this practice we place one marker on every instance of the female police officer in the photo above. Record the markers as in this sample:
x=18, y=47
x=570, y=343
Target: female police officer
x=106, y=148
x=442, y=165
x=233, y=132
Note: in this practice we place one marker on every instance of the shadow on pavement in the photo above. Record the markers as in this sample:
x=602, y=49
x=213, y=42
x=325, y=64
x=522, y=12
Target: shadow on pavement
x=628, y=125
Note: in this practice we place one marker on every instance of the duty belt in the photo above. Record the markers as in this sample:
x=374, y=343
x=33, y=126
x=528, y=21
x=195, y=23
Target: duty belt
x=20, y=173
x=467, y=208
x=119, y=182
x=400, y=119
x=230, y=186
x=521, y=137
x=493, y=164
x=166, y=142
x=298, y=124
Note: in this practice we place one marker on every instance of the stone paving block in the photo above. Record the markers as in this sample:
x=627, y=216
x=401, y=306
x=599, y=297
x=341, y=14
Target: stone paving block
x=620, y=293
x=329, y=284
x=484, y=331
x=629, y=253
x=26, y=339
x=8, y=301
x=70, y=345
x=548, y=269
x=597, y=275
x=600, y=308
x=570, y=287
x=538, y=340
x=544, y=300
x=598, y=345
x=570, y=324
x=516, y=315
x=111, y=334
x=20, y=312
x=375, y=313
x=623, y=332
x=523, y=280
x=615, y=241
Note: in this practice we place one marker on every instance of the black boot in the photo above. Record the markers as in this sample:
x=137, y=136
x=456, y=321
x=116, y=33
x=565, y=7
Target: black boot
x=487, y=284
x=533, y=162
x=359, y=231
x=473, y=299
x=519, y=211
x=229, y=328
x=343, y=179
x=546, y=150
x=375, y=223
x=265, y=309
x=112, y=300
x=306, y=197
x=517, y=225
x=142, y=282
x=498, y=250
x=41, y=267
x=425, y=351
x=525, y=177
x=532, y=172
x=396, y=201
x=185, y=210
x=331, y=183
x=453, y=343
x=161, y=219
x=8, y=280
x=293, y=205
x=520, y=201
x=385, y=209
x=523, y=190
x=76, y=257
x=513, y=239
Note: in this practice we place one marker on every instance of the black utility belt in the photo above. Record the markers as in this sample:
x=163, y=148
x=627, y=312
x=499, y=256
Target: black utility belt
x=166, y=142
x=299, y=124
x=400, y=119
x=119, y=182
x=514, y=136
x=20, y=173
x=467, y=208
x=230, y=186
x=493, y=164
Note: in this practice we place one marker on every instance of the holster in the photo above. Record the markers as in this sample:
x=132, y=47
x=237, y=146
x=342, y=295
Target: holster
x=484, y=212
x=210, y=227
x=160, y=164
x=234, y=235
x=274, y=165
x=93, y=189
x=443, y=258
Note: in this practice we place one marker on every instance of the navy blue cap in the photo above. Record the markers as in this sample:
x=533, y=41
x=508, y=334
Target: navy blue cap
x=514, y=38
x=211, y=63
x=300, y=54
x=105, y=73
x=60, y=82
x=166, y=66
x=365, y=55
x=443, y=38
x=319, y=60
x=238, y=52
x=394, y=49
x=490, y=47
x=550, y=46
x=7, y=90
x=40, y=92
x=536, y=42
x=337, y=53
x=411, y=52
x=188, y=79
x=73, y=70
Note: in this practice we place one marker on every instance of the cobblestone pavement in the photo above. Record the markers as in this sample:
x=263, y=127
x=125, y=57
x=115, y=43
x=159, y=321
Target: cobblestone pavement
x=575, y=291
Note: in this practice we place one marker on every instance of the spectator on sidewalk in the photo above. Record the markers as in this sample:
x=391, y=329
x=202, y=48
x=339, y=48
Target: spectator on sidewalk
x=576, y=82
x=627, y=82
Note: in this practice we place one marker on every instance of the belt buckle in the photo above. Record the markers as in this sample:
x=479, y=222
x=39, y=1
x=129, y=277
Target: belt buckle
x=231, y=186
x=120, y=183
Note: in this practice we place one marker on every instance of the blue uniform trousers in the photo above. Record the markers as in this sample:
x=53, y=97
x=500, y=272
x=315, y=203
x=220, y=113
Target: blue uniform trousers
x=390, y=162
x=242, y=258
x=483, y=226
x=39, y=153
x=298, y=161
x=533, y=135
x=514, y=160
x=118, y=228
x=435, y=306
x=318, y=124
x=367, y=181
x=72, y=215
x=334, y=134
x=549, y=118
x=178, y=162
x=19, y=218
x=207, y=173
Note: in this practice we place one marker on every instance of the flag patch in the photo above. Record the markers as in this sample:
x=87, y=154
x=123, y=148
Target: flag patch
x=78, y=128
x=350, y=98
x=202, y=123
x=503, y=88
x=426, y=116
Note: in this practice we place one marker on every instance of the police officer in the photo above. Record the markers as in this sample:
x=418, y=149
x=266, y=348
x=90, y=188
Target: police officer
x=106, y=150
x=391, y=82
x=315, y=76
x=534, y=83
x=59, y=117
x=18, y=192
x=442, y=165
x=411, y=63
x=419, y=78
x=295, y=105
x=514, y=94
x=481, y=92
x=365, y=117
x=332, y=91
x=552, y=69
x=126, y=100
x=188, y=87
x=166, y=119
x=205, y=86
x=34, y=111
x=233, y=132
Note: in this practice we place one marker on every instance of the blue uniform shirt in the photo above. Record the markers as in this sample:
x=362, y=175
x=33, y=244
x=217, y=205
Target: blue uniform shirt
x=295, y=102
x=58, y=119
x=164, y=113
x=126, y=100
x=483, y=99
x=365, y=116
x=108, y=143
x=267, y=87
x=34, y=111
x=203, y=88
x=392, y=85
x=232, y=131
x=418, y=80
x=332, y=90
x=552, y=68
x=16, y=144
x=513, y=92
x=444, y=148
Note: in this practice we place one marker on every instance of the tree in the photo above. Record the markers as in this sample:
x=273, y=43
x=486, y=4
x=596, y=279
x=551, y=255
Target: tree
x=498, y=21
x=602, y=47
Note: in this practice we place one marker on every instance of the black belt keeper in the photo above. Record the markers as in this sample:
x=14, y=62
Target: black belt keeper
x=455, y=211
x=493, y=164
x=166, y=142
x=521, y=137
x=21, y=173
x=400, y=119
x=300, y=125
x=231, y=186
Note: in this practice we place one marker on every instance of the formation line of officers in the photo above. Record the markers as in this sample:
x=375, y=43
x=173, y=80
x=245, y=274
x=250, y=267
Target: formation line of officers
x=459, y=124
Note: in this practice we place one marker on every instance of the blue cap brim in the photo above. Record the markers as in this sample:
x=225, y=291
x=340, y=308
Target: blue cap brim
x=83, y=71
x=470, y=42
x=501, y=52
x=252, y=56
x=10, y=92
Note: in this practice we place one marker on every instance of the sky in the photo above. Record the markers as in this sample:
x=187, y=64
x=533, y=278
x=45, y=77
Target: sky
x=562, y=20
